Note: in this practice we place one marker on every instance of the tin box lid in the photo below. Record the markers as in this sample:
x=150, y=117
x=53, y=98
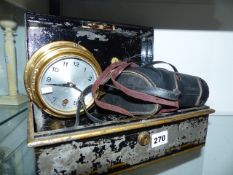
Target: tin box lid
x=104, y=39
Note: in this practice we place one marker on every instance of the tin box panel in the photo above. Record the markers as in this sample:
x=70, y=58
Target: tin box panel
x=115, y=146
x=37, y=138
x=104, y=40
x=106, y=154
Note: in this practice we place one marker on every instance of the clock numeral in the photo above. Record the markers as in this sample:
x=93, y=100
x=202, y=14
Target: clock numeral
x=90, y=78
x=54, y=99
x=48, y=79
x=55, y=69
x=76, y=63
x=85, y=69
x=65, y=102
x=65, y=63
x=75, y=103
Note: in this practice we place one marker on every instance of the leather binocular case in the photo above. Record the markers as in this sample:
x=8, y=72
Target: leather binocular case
x=146, y=90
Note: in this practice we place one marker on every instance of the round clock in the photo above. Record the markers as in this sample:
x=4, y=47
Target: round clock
x=56, y=75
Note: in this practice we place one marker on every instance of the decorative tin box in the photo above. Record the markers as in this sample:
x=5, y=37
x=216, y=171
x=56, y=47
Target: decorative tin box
x=63, y=148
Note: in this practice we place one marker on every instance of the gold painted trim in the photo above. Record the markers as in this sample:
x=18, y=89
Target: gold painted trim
x=134, y=167
x=40, y=61
x=30, y=125
x=78, y=135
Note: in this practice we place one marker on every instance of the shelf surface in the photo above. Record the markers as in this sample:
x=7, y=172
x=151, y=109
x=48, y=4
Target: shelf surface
x=8, y=112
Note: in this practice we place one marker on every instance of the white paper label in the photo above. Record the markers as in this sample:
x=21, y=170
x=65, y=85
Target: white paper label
x=158, y=139
x=46, y=90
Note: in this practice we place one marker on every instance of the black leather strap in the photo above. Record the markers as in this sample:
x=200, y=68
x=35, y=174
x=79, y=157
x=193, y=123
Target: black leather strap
x=81, y=104
x=159, y=62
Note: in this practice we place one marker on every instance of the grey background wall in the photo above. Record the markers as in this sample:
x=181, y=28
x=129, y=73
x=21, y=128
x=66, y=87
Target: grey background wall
x=207, y=54
x=194, y=35
x=164, y=14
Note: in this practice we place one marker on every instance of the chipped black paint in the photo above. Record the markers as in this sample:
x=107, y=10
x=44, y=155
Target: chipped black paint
x=111, y=153
x=81, y=159
x=99, y=151
x=124, y=42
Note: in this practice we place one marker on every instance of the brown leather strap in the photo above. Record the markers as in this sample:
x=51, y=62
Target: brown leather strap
x=103, y=78
x=112, y=72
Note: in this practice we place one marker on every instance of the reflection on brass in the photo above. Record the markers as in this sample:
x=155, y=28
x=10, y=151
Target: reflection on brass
x=144, y=138
x=43, y=57
x=114, y=60
x=78, y=135
x=93, y=25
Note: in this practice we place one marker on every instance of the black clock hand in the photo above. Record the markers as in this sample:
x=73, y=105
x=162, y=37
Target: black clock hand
x=75, y=87
x=62, y=84
x=68, y=84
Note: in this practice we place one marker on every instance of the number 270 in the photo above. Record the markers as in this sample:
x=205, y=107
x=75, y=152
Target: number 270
x=159, y=139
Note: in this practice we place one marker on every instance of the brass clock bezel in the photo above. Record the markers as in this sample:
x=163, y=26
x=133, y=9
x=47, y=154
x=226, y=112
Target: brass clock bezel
x=43, y=57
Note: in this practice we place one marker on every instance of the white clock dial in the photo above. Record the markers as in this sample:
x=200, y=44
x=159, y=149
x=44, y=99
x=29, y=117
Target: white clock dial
x=63, y=81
